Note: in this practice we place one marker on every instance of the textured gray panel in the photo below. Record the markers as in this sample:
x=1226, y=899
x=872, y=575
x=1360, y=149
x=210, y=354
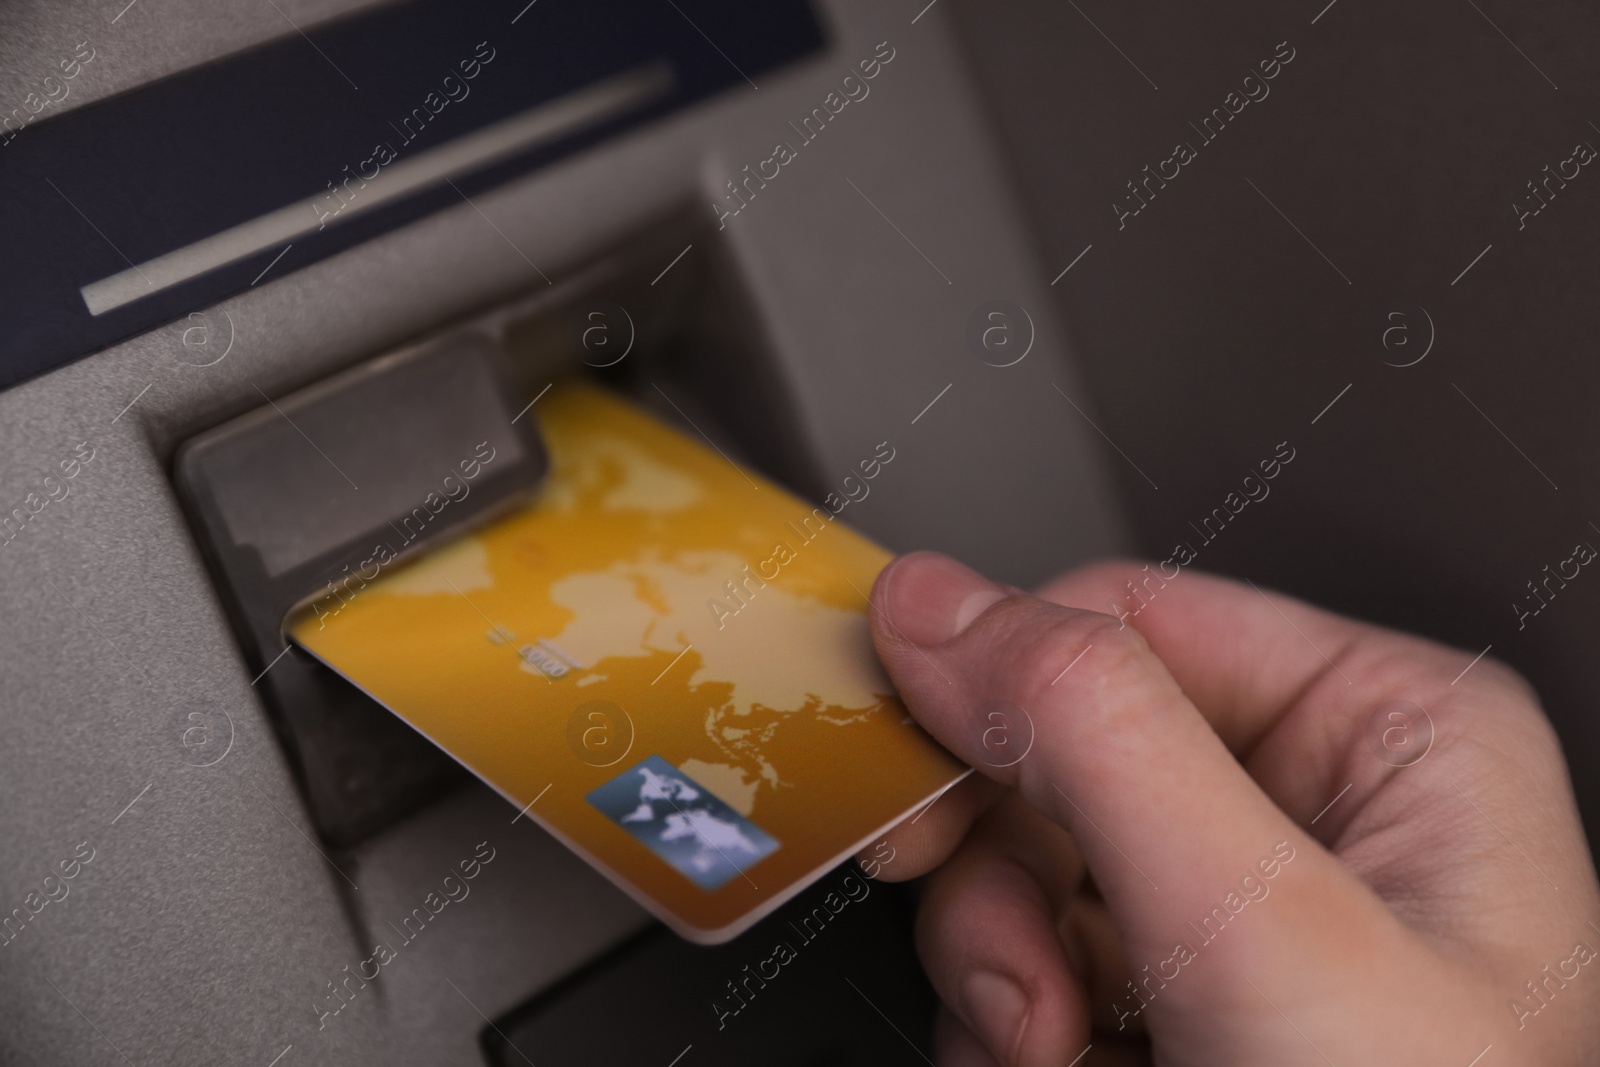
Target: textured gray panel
x=133, y=43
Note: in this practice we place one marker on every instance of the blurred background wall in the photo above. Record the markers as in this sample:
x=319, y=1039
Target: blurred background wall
x=1381, y=162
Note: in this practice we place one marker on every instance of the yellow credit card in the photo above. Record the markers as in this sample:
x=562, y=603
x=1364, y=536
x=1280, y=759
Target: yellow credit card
x=662, y=659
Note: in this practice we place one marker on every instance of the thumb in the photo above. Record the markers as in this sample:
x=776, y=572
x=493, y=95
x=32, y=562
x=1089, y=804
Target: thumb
x=1075, y=711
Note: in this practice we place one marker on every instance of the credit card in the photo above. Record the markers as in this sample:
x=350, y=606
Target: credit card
x=663, y=659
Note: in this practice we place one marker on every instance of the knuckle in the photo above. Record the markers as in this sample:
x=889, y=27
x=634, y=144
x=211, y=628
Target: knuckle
x=1501, y=674
x=1517, y=698
x=1101, y=578
x=1112, y=572
x=1489, y=676
x=1065, y=642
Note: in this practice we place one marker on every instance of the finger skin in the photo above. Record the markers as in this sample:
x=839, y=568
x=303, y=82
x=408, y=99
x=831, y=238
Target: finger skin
x=1247, y=657
x=926, y=838
x=987, y=917
x=1095, y=945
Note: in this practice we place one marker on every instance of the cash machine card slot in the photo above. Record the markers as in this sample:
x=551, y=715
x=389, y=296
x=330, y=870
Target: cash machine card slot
x=318, y=492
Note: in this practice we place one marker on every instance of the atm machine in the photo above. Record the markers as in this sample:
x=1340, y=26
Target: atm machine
x=246, y=246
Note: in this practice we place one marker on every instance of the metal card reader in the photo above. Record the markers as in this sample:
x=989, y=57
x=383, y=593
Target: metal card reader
x=308, y=497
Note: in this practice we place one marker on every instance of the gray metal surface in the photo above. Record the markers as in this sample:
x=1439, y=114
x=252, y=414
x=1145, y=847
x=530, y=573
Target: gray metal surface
x=208, y=923
x=133, y=43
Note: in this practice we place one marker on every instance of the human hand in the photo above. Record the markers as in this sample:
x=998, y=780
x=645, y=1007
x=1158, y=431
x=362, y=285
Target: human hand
x=1276, y=877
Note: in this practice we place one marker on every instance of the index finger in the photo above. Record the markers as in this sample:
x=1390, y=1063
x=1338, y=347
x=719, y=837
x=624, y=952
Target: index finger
x=1308, y=700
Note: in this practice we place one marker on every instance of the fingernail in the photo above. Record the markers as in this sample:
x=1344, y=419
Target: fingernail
x=997, y=1009
x=931, y=598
